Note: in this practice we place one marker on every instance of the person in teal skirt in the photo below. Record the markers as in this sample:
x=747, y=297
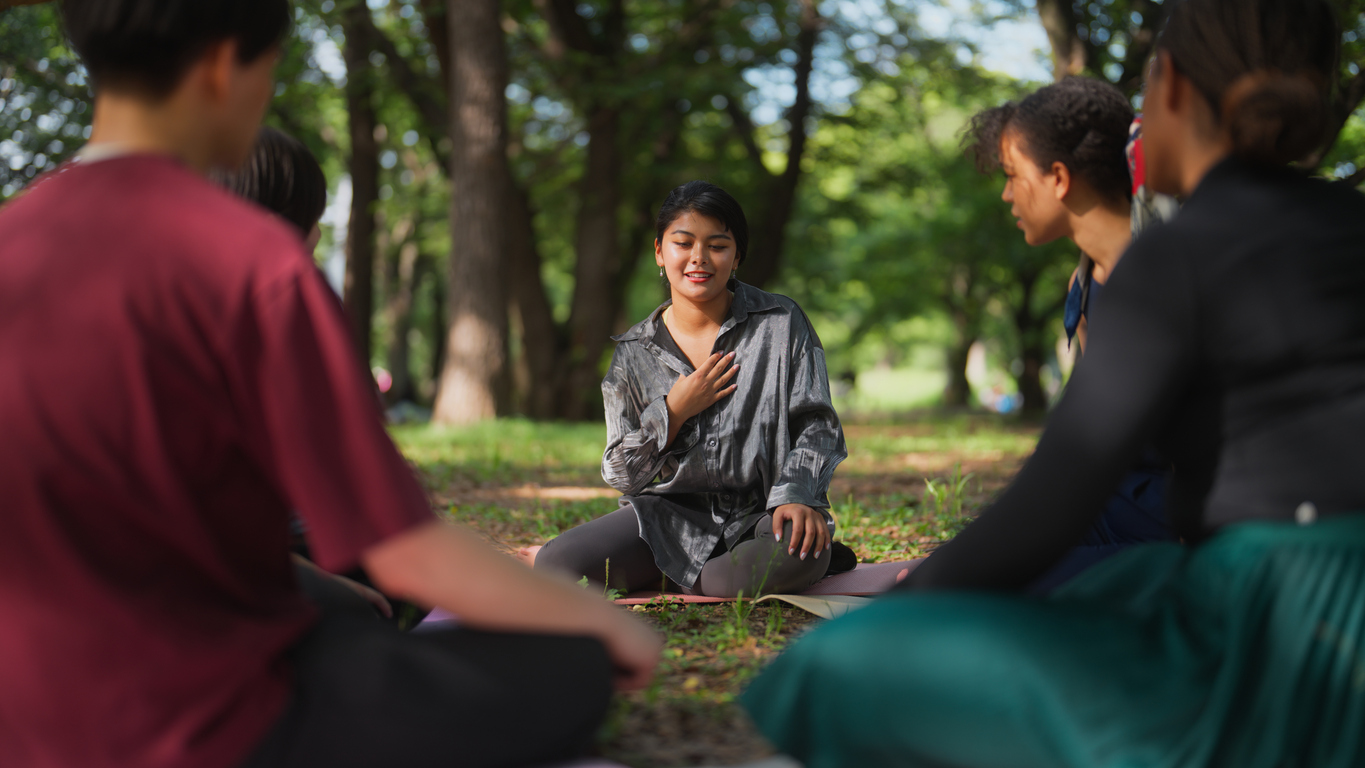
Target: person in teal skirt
x=1233, y=339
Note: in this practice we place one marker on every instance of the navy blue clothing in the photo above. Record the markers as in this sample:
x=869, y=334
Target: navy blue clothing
x=1136, y=512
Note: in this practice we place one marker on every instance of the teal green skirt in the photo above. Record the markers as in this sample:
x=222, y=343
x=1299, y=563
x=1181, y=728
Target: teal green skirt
x=1245, y=652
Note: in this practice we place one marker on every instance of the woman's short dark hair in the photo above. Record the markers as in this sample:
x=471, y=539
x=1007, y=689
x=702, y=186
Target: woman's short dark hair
x=707, y=199
x=283, y=177
x=1079, y=122
x=1266, y=67
x=146, y=46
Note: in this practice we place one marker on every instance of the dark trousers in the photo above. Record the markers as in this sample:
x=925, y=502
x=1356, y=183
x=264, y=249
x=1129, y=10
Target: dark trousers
x=758, y=564
x=368, y=695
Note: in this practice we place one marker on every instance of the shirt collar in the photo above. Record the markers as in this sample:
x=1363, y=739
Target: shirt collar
x=748, y=300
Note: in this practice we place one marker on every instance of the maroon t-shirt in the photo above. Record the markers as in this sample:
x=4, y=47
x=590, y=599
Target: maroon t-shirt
x=175, y=376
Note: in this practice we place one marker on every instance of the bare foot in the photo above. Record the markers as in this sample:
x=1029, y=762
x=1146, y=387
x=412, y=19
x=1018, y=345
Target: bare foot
x=527, y=555
x=901, y=576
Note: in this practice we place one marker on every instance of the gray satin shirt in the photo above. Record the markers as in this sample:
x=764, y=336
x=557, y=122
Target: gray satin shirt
x=775, y=441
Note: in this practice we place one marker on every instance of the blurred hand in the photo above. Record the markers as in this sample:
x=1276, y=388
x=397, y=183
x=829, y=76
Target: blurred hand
x=634, y=649
x=809, y=529
x=375, y=599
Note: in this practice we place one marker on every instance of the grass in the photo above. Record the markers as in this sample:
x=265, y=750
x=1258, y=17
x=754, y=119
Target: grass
x=506, y=451
x=909, y=484
x=893, y=390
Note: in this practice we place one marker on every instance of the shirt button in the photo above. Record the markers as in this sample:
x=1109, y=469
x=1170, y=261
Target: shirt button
x=725, y=497
x=1306, y=513
x=713, y=442
x=715, y=485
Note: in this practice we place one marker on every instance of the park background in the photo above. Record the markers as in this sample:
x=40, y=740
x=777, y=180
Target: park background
x=495, y=168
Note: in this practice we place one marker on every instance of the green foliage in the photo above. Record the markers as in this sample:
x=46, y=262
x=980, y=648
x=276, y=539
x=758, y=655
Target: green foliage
x=44, y=96
x=505, y=450
x=898, y=225
x=896, y=243
x=946, y=501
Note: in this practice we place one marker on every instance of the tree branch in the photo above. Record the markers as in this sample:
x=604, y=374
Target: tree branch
x=420, y=89
x=569, y=29
x=811, y=24
x=1141, y=44
x=1068, y=51
x=745, y=130
x=438, y=33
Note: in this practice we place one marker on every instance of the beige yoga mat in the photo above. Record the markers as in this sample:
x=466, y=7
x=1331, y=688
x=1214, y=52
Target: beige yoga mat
x=824, y=606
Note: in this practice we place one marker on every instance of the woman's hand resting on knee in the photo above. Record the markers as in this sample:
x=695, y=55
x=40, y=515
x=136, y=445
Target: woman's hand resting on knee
x=810, y=531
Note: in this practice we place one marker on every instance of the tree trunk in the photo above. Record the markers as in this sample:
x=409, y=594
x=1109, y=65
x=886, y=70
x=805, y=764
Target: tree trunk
x=765, y=253
x=437, y=331
x=958, y=392
x=474, y=380
x=1068, y=50
x=1032, y=350
x=964, y=310
x=541, y=342
x=358, y=289
x=403, y=280
x=596, y=295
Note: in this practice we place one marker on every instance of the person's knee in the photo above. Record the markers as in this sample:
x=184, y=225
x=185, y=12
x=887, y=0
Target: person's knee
x=566, y=558
x=762, y=566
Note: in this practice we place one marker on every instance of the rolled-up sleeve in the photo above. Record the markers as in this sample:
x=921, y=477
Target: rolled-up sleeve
x=316, y=424
x=817, y=437
x=636, y=436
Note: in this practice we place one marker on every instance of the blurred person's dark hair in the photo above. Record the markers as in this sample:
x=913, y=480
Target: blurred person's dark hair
x=707, y=199
x=1266, y=67
x=282, y=176
x=1079, y=122
x=146, y=46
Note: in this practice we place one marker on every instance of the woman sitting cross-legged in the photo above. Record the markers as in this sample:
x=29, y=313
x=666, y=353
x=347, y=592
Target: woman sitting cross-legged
x=720, y=430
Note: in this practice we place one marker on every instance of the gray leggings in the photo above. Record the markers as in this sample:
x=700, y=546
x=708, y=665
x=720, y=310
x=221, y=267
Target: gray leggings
x=755, y=564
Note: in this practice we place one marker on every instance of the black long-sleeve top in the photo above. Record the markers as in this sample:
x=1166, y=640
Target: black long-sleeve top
x=1234, y=339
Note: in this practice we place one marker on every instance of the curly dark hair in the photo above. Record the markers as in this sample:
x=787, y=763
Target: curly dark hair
x=1079, y=122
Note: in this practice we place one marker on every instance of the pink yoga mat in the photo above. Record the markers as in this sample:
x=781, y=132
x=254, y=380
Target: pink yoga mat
x=866, y=579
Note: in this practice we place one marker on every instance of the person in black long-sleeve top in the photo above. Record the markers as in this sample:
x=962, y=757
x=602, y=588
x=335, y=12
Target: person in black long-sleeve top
x=1234, y=338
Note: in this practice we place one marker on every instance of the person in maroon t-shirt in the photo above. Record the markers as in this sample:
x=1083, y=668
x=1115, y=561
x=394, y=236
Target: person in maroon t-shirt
x=174, y=378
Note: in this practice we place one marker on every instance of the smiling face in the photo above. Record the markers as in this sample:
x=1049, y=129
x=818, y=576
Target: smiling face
x=697, y=253
x=1035, y=195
